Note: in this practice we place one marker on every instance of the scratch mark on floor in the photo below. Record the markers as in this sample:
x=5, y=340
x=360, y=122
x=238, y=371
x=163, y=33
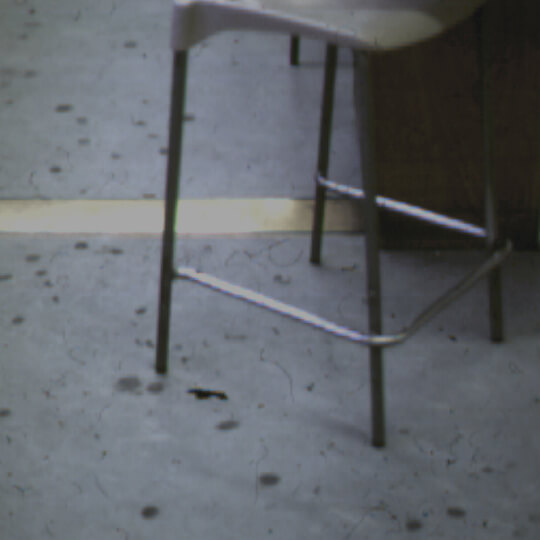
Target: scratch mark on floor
x=351, y=532
x=99, y=486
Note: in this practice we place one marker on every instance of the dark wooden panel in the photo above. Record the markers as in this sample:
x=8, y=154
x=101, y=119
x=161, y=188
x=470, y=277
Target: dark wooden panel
x=429, y=148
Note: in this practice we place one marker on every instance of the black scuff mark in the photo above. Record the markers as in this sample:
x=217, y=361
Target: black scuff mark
x=202, y=393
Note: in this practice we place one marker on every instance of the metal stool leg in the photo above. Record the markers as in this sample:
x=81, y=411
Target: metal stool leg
x=364, y=101
x=490, y=192
x=294, y=51
x=171, y=199
x=325, y=132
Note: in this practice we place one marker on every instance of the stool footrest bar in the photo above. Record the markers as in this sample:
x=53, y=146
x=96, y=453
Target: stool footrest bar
x=410, y=210
x=306, y=317
x=266, y=302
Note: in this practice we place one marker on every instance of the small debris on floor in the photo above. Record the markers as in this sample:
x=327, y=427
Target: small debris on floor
x=278, y=278
x=201, y=393
x=413, y=525
x=113, y=250
x=456, y=512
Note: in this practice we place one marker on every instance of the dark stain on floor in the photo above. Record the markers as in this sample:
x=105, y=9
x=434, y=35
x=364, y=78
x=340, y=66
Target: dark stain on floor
x=55, y=169
x=32, y=257
x=17, y=320
x=5, y=277
x=235, y=337
x=227, y=425
x=278, y=278
x=202, y=393
x=456, y=512
x=5, y=412
x=269, y=479
x=413, y=525
x=41, y=272
x=81, y=245
x=155, y=387
x=128, y=384
x=64, y=107
x=149, y=512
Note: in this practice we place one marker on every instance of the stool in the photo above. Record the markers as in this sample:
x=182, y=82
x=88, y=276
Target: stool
x=367, y=27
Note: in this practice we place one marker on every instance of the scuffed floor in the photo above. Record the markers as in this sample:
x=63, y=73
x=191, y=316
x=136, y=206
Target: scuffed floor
x=94, y=445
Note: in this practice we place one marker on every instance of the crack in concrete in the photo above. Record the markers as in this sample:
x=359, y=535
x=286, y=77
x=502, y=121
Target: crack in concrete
x=285, y=372
x=99, y=486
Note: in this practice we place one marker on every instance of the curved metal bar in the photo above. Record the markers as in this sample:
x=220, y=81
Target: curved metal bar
x=383, y=340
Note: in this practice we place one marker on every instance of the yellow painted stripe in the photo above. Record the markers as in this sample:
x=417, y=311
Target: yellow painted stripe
x=195, y=216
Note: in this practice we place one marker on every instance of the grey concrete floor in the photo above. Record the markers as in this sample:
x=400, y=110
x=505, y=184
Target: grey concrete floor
x=94, y=445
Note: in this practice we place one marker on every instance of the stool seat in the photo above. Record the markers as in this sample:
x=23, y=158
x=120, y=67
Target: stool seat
x=360, y=24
